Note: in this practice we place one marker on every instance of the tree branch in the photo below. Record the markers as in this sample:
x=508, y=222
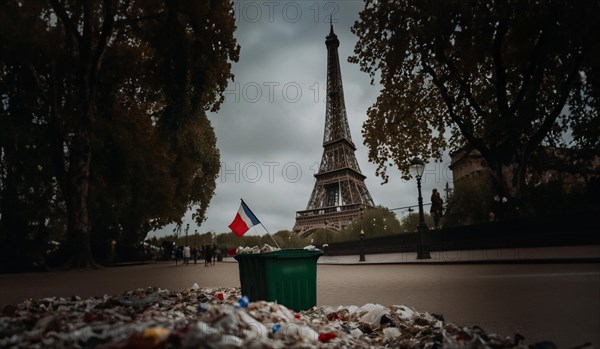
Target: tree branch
x=546, y=125
x=477, y=143
x=88, y=13
x=64, y=17
x=528, y=76
x=133, y=19
x=107, y=27
x=502, y=99
x=465, y=87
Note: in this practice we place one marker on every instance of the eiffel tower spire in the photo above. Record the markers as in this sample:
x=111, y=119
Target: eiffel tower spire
x=336, y=120
x=340, y=192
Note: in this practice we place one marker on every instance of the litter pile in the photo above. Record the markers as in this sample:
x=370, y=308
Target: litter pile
x=265, y=248
x=221, y=318
x=256, y=249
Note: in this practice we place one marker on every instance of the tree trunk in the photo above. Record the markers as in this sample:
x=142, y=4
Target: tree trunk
x=509, y=182
x=78, y=181
x=13, y=226
x=78, y=232
x=90, y=48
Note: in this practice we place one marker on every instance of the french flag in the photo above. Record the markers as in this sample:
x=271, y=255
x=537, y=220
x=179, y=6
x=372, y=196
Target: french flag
x=244, y=220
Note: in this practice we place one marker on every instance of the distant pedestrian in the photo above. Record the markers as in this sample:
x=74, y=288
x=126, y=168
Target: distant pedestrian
x=178, y=254
x=207, y=256
x=186, y=254
x=214, y=252
x=195, y=254
x=437, y=207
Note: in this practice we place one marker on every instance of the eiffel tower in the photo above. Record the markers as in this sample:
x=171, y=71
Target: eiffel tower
x=340, y=192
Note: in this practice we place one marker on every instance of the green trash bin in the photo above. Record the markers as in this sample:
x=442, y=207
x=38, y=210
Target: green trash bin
x=288, y=277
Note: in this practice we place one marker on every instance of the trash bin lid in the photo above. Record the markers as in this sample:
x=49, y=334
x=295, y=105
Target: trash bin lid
x=293, y=253
x=283, y=254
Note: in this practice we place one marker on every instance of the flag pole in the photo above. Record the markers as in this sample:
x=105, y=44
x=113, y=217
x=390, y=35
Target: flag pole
x=265, y=228
x=272, y=238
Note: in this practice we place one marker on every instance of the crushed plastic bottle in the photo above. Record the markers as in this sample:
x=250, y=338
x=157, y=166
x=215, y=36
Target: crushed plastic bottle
x=202, y=308
x=243, y=302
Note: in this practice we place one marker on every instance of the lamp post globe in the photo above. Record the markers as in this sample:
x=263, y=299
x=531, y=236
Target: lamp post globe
x=417, y=167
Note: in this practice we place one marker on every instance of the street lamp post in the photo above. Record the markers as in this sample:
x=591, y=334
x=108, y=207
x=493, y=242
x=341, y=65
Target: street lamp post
x=417, y=167
x=187, y=228
x=195, y=250
x=362, y=246
x=362, y=238
x=177, y=232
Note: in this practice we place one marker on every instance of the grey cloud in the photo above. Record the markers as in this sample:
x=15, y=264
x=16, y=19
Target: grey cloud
x=280, y=134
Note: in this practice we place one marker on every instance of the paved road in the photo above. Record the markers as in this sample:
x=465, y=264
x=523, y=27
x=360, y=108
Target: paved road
x=560, y=302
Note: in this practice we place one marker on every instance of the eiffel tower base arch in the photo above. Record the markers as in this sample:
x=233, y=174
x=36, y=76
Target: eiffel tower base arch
x=332, y=218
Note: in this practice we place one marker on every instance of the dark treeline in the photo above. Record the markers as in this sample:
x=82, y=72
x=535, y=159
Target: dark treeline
x=103, y=127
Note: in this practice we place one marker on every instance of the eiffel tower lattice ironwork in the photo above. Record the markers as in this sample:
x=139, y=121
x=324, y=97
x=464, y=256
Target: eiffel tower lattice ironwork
x=340, y=192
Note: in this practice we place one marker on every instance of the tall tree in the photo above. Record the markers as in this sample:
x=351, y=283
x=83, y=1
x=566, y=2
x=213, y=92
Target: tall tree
x=175, y=63
x=28, y=192
x=498, y=76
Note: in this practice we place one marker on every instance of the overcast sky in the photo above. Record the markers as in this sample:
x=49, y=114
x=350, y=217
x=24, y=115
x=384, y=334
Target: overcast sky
x=270, y=127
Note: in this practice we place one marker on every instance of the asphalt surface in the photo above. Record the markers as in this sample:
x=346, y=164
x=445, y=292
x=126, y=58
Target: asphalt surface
x=558, y=302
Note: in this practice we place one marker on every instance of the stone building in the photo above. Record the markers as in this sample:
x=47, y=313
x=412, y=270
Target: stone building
x=549, y=165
